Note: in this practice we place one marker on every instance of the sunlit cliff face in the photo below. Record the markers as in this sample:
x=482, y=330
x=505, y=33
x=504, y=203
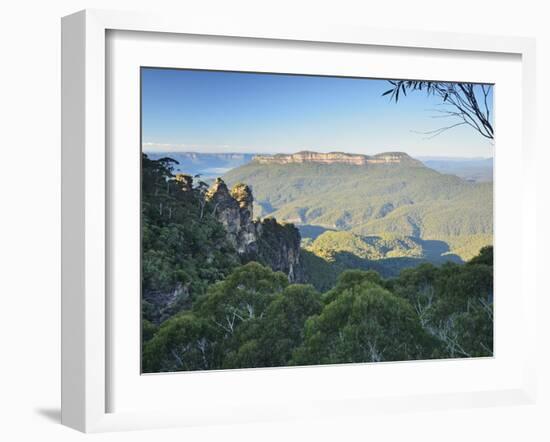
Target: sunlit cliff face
x=334, y=157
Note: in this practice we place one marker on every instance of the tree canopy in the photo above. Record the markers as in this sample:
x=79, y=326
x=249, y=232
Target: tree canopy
x=255, y=318
x=223, y=314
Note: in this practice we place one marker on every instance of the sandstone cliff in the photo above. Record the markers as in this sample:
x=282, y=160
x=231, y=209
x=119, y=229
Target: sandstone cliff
x=336, y=157
x=234, y=210
x=268, y=242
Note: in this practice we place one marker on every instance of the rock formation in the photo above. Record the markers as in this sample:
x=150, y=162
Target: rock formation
x=279, y=248
x=268, y=242
x=336, y=157
x=234, y=210
x=163, y=304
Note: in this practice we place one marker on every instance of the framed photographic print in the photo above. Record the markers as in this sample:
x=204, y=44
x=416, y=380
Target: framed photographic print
x=255, y=253
x=276, y=223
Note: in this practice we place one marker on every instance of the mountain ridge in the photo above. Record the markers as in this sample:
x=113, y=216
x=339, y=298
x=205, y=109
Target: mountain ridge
x=307, y=156
x=210, y=165
x=405, y=198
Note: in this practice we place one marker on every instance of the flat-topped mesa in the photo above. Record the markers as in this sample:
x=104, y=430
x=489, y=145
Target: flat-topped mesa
x=335, y=158
x=392, y=157
x=312, y=157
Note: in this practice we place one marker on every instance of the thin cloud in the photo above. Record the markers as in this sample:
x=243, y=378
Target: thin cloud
x=154, y=147
x=165, y=147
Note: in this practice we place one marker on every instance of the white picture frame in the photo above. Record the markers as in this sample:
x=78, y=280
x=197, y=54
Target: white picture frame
x=86, y=317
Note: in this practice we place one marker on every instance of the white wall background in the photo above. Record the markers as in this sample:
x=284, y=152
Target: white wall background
x=30, y=215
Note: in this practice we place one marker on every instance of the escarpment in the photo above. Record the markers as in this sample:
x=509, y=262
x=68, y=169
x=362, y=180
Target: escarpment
x=336, y=158
x=235, y=213
x=266, y=241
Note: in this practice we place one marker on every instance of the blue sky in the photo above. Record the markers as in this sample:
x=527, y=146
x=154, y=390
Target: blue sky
x=214, y=111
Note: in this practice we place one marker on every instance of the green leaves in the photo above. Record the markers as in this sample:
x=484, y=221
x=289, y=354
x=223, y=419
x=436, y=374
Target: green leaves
x=362, y=322
x=251, y=319
x=185, y=342
x=454, y=304
x=467, y=103
x=243, y=296
x=406, y=200
x=184, y=247
x=254, y=318
x=270, y=340
x=227, y=316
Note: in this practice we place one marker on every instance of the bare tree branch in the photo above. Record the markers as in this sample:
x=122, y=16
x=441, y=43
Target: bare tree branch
x=470, y=103
x=435, y=133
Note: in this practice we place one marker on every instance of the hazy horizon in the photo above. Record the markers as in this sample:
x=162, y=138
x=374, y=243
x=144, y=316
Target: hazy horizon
x=231, y=152
x=217, y=111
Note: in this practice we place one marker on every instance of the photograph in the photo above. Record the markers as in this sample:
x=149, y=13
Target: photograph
x=292, y=220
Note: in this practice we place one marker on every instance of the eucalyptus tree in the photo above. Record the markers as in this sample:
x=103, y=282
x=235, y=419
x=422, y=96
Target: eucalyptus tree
x=463, y=104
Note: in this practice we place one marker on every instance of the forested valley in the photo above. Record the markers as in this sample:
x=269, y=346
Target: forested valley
x=223, y=290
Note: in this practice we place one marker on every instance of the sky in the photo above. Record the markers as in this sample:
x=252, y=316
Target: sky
x=217, y=111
